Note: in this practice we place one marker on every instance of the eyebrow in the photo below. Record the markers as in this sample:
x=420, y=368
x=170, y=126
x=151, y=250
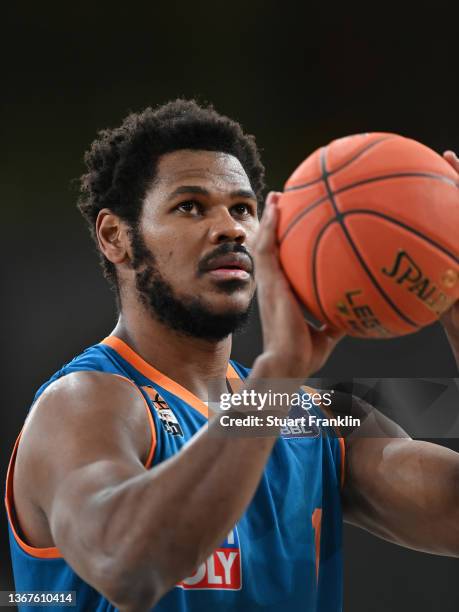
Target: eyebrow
x=238, y=193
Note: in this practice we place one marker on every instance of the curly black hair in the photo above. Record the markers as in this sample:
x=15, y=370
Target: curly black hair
x=121, y=163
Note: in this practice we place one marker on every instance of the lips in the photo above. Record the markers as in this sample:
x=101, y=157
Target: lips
x=231, y=261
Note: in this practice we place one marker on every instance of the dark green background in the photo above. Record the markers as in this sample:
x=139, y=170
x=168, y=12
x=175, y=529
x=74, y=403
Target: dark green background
x=296, y=75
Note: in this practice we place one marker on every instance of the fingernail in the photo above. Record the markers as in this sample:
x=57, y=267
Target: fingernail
x=276, y=197
x=269, y=198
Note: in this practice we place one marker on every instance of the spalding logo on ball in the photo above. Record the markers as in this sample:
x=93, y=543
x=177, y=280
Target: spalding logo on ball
x=369, y=235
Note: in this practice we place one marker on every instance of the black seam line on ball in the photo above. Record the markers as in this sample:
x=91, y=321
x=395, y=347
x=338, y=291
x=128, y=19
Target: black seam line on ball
x=344, y=165
x=410, y=229
x=384, y=177
x=301, y=215
x=314, y=268
x=339, y=217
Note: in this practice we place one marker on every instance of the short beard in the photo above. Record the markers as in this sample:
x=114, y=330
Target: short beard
x=187, y=315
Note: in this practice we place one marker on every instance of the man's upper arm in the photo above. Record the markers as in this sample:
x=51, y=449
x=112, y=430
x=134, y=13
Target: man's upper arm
x=88, y=432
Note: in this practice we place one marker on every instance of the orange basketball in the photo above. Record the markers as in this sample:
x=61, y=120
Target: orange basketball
x=369, y=235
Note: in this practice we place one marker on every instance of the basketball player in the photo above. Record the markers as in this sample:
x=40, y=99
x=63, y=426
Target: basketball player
x=117, y=490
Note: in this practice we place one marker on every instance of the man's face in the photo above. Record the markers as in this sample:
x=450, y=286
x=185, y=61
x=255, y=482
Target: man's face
x=198, y=226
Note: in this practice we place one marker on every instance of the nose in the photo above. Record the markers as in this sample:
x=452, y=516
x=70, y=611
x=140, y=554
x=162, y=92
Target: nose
x=225, y=228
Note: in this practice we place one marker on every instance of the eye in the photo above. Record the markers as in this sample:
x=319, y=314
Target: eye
x=189, y=206
x=243, y=209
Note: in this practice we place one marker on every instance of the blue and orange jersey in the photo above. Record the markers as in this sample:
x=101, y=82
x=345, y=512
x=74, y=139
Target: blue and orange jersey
x=283, y=554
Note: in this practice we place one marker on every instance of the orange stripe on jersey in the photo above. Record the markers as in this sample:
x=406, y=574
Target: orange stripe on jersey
x=41, y=553
x=155, y=375
x=342, y=446
x=231, y=372
x=158, y=377
x=236, y=383
x=151, y=423
x=317, y=526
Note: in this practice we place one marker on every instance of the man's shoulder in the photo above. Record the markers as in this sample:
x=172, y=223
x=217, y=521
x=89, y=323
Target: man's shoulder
x=91, y=387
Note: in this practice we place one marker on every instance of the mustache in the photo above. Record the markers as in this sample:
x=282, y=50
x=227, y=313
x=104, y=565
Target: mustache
x=224, y=249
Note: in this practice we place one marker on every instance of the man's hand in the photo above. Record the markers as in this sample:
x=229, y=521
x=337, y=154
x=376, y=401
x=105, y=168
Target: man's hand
x=299, y=349
x=450, y=319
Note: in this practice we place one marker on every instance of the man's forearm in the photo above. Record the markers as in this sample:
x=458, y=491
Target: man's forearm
x=166, y=522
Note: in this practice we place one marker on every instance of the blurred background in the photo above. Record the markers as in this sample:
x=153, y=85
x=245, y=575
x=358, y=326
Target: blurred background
x=295, y=77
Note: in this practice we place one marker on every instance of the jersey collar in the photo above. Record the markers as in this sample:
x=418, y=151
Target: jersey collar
x=150, y=372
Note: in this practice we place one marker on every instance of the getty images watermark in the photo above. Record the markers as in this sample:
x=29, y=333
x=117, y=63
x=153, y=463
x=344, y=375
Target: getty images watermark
x=280, y=406
x=272, y=400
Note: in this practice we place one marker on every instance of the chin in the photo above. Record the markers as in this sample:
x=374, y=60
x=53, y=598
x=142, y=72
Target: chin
x=229, y=304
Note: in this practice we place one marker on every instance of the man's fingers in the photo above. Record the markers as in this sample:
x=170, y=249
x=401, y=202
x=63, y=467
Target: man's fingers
x=451, y=316
x=452, y=159
x=328, y=337
x=266, y=248
x=335, y=335
x=266, y=233
x=273, y=197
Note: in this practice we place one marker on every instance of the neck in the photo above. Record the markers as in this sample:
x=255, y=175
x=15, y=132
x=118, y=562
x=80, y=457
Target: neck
x=191, y=362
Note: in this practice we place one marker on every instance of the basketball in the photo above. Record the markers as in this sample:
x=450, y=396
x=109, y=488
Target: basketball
x=369, y=235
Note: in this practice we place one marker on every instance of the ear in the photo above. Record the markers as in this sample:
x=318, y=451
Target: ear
x=112, y=236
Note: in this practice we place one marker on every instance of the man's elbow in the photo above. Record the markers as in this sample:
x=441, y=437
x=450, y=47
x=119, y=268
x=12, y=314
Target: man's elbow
x=138, y=586
x=128, y=589
x=129, y=583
